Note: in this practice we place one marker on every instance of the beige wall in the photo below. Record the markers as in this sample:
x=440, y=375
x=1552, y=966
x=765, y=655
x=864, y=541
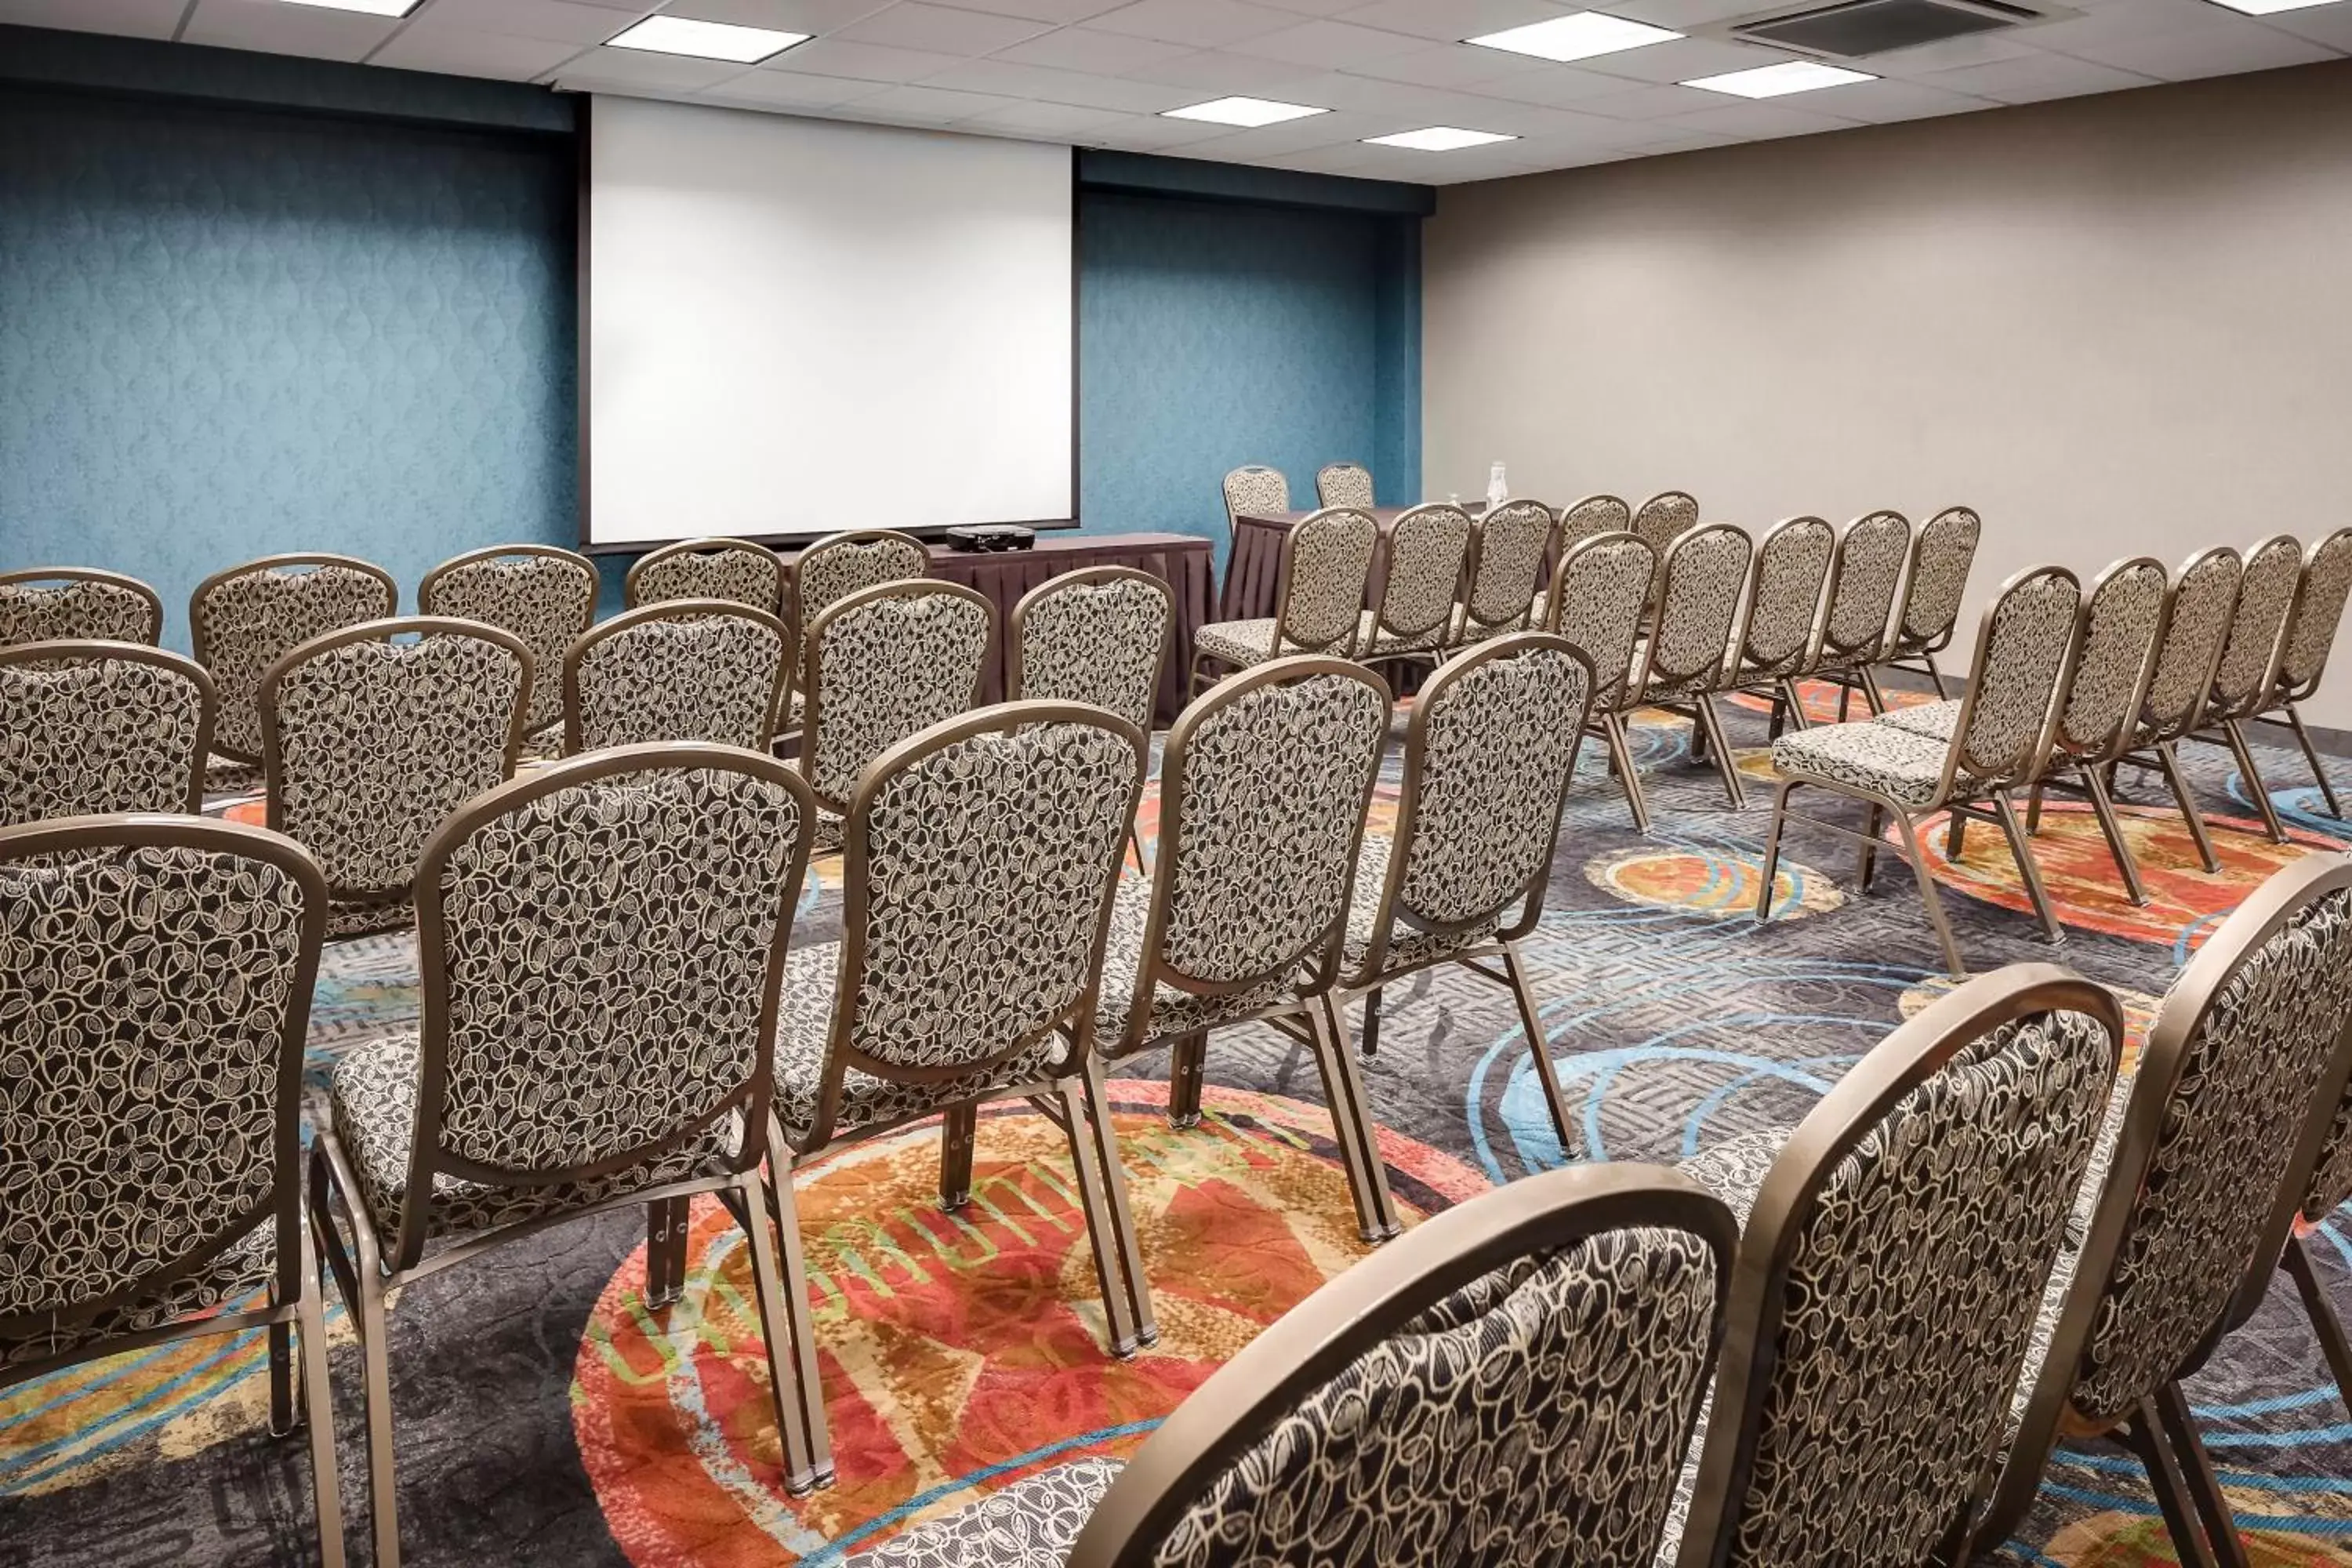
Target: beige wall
x=2114, y=325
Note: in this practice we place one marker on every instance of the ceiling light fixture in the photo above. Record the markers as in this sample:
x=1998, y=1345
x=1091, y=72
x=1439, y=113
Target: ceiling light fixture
x=366, y=7
x=1249, y=112
x=705, y=40
x=1779, y=82
x=1438, y=139
x=1579, y=36
x=2271, y=7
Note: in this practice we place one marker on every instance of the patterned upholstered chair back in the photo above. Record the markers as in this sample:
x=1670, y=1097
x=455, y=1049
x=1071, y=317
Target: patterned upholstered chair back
x=244, y=619
x=1890, y=1273
x=882, y=664
x=1664, y=517
x=1428, y=549
x=982, y=858
x=1513, y=1381
x=1598, y=594
x=2024, y=657
x=1100, y=635
x=1582, y=519
x=544, y=595
x=1698, y=604
x=2318, y=611
x=157, y=974
x=90, y=728
x=1256, y=491
x=2197, y=623
x=1871, y=556
x=2249, y=669
x=369, y=742
x=731, y=569
x=1344, y=484
x=1326, y=559
x=682, y=669
x=1507, y=549
x=839, y=564
x=560, y=1039
x=2122, y=627
x=1936, y=580
x=1785, y=600
x=75, y=604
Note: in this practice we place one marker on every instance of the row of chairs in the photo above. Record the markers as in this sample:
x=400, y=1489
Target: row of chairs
x=2066, y=688
x=574, y=1056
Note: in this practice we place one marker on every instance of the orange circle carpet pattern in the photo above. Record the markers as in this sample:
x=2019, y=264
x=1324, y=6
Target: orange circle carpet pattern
x=961, y=1352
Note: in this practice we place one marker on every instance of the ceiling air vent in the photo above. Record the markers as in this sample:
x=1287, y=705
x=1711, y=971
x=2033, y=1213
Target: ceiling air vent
x=1861, y=28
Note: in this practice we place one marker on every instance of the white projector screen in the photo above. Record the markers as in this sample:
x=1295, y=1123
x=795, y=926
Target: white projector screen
x=798, y=326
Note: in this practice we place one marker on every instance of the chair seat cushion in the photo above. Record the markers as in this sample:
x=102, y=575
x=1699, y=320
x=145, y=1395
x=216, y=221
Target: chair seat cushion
x=1373, y=643
x=247, y=1264
x=1173, y=1012
x=372, y=1101
x=867, y=1100
x=1937, y=720
x=1242, y=643
x=1460, y=631
x=1409, y=946
x=1032, y=1524
x=1865, y=755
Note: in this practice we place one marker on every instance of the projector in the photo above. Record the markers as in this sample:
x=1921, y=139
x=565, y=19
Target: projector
x=989, y=539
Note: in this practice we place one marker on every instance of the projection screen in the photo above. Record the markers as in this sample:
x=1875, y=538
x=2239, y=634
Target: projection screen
x=797, y=326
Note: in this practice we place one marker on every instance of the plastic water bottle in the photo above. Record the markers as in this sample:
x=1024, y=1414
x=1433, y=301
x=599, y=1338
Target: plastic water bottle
x=1497, y=490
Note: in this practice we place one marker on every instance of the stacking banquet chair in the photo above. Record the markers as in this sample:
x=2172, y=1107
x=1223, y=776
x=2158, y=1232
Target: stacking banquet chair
x=87, y=727
x=1786, y=599
x=1511, y=1384
x=734, y=569
x=567, y=1060
x=369, y=742
x=76, y=603
x=1598, y=594
x=1664, y=517
x=2329, y=1189
x=243, y=620
x=2243, y=1074
x=542, y=594
x=2250, y=656
x=1098, y=635
x=1488, y=754
x=680, y=669
x=2024, y=658
x=1895, y=1251
x=1344, y=484
x=1689, y=653
x=156, y=975
x=1509, y=545
x=1262, y=789
x=982, y=857
x=2318, y=610
x=1581, y=520
x=878, y=666
x=1255, y=491
x=1933, y=586
x=1427, y=549
x=1865, y=580
x=1327, y=561
x=839, y=564
x=2196, y=619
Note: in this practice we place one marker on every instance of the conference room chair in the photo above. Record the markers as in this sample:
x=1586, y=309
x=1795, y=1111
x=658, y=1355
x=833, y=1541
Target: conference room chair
x=1894, y=1254
x=1865, y=580
x=2329, y=1189
x=1489, y=751
x=87, y=727
x=1099, y=636
x=1599, y=593
x=1786, y=595
x=2250, y=656
x=1933, y=585
x=2318, y=609
x=877, y=666
x=565, y=1061
x=1326, y=563
x=2243, y=1072
x=1662, y=520
x=542, y=594
x=982, y=857
x=157, y=1196
x=2197, y=620
x=370, y=741
x=1509, y=546
x=1255, y=491
x=2025, y=655
x=1595, y=514
x=76, y=603
x=1427, y=550
x=244, y=619
x=679, y=670
x=734, y=569
x=1264, y=784
x=1688, y=656
x=1510, y=1384
x=1344, y=484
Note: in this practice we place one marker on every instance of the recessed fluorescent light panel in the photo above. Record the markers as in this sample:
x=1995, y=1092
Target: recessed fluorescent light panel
x=1779, y=82
x=1250, y=112
x=367, y=7
x=705, y=40
x=1579, y=36
x=1438, y=139
x=2271, y=7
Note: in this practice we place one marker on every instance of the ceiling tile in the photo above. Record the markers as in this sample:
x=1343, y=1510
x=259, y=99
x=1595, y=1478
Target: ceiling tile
x=783, y=16
x=1297, y=135
x=1650, y=102
x=1213, y=72
x=133, y=19
x=1155, y=132
x=1555, y=84
x=2216, y=50
x=643, y=69
x=2141, y=18
x=1091, y=49
x=1313, y=7
x=1753, y=121
x=872, y=62
x=1952, y=54
x=2036, y=77
x=1203, y=24
x=790, y=90
x=941, y=29
x=1039, y=10
x=1046, y=119
x=1334, y=45
x=2329, y=24
x=555, y=21
x=463, y=53
x=1069, y=87
x=1680, y=59
x=1454, y=19
x=929, y=105
x=1682, y=15
x=1884, y=102
x=1449, y=65
x=274, y=27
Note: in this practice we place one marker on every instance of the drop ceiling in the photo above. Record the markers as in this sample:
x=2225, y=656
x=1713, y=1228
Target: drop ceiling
x=1102, y=73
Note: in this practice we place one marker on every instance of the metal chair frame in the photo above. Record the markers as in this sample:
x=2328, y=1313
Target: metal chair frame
x=92, y=651
x=575, y=719
x=35, y=578
x=2289, y=689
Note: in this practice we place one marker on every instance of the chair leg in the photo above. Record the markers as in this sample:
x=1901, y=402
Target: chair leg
x=2204, y=1487
x=2033, y=810
x=1956, y=835
x=2324, y=1321
x=2311, y=755
x=783, y=1304
x=1352, y=1122
x=1711, y=724
x=1770, y=870
x=1871, y=694
x=1935, y=675
x=958, y=1130
x=665, y=1224
x=2027, y=871
x=2103, y=806
x=319, y=1410
x=1185, y=1064
x=1122, y=1211
x=1105, y=1231
x=1515, y=964
x=1873, y=822
x=1372, y=1023
x=1135, y=843
x=282, y=1417
x=1845, y=695
x=1612, y=729
x=375, y=1381
x=2145, y=1437
x=1928, y=896
x=2169, y=761
x=2236, y=731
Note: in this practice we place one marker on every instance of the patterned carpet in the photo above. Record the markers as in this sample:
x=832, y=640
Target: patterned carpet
x=545, y=1415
